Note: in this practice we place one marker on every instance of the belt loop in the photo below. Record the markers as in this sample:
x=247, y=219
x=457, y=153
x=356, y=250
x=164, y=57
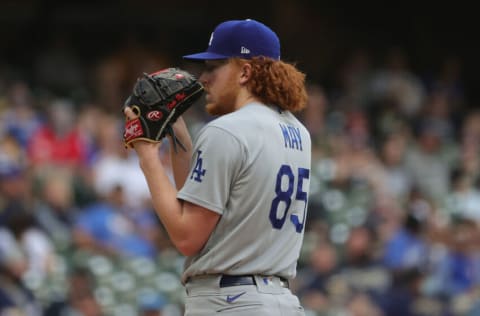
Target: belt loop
x=266, y=280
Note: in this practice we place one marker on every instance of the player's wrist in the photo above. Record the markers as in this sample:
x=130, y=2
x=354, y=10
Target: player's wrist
x=146, y=150
x=181, y=133
x=149, y=161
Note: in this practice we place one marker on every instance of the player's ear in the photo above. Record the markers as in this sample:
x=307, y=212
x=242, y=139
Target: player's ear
x=245, y=72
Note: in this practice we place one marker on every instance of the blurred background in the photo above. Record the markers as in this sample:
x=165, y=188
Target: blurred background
x=394, y=205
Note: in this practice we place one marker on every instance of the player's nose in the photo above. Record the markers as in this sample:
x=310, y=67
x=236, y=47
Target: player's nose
x=202, y=81
x=203, y=78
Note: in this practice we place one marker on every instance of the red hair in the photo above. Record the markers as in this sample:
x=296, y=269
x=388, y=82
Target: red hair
x=275, y=82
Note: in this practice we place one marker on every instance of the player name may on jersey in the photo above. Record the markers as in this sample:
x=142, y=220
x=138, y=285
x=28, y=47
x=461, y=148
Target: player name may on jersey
x=292, y=137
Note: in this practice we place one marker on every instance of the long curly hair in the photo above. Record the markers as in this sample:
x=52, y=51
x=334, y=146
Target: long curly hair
x=276, y=82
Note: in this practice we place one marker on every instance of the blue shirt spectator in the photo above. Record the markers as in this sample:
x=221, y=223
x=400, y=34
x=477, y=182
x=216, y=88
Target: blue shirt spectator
x=109, y=227
x=406, y=248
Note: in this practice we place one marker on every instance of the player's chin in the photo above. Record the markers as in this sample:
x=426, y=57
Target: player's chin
x=215, y=109
x=211, y=108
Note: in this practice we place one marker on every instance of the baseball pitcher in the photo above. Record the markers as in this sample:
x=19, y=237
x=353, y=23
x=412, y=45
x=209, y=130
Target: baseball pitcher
x=239, y=206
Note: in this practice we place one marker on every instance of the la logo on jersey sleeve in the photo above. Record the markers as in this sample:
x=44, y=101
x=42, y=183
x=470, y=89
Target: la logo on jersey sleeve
x=198, y=172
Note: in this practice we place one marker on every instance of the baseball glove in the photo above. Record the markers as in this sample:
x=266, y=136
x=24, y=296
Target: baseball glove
x=158, y=99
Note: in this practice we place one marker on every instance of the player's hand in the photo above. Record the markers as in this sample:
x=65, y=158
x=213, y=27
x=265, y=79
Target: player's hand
x=129, y=114
x=140, y=146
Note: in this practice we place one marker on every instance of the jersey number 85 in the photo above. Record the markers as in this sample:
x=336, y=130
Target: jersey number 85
x=285, y=196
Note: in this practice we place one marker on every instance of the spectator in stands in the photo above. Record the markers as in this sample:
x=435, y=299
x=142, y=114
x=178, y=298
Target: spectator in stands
x=25, y=253
x=400, y=297
x=457, y=272
x=15, y=298
x=396, y=178
x=15, y=187
x=463, y=199
x=469, y=142
x=80, y=298
x=361, y=264
x=19, y=119
x=315, y=279
x=429, y=161
x=116, y=165
x=110, y=227
x=32, y=243
x=58, y=141
x=54, y=208
x=408, y=248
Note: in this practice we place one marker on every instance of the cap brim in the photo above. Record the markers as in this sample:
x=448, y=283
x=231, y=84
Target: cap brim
x=205, y=56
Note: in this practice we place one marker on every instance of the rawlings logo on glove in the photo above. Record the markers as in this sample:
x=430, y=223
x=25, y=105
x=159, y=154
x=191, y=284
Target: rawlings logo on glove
x=154, y=115
x=158, y=99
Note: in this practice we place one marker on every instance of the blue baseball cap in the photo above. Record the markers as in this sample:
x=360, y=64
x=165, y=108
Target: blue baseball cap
x=240, y=38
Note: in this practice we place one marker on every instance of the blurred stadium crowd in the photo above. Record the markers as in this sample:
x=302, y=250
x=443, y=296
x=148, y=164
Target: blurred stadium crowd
x=394, y=205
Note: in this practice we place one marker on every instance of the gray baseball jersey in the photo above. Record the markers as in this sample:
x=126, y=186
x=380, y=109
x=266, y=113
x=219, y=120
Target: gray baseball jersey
x=251, y=166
